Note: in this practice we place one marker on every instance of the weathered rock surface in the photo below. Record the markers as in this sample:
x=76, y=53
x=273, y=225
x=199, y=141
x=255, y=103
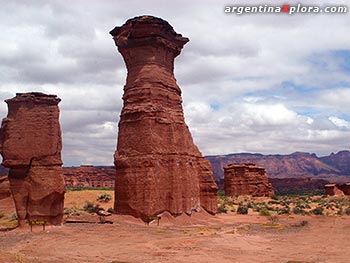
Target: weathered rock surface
x=246, y=179
x=5, y=190
x=333, y=189
x=30, y=145
x=336, y=189
x=89, y=176
x=158, y=166
x=298, y=185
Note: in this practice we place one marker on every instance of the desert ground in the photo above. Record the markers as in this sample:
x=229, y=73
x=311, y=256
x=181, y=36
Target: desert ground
x=226, y=237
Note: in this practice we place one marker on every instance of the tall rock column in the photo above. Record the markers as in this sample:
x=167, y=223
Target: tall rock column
x=158, y=166
x=30, y=144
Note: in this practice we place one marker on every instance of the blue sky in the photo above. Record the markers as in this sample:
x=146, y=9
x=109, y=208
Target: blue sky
x=252, y=83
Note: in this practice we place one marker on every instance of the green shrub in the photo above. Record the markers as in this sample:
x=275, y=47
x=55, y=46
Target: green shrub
x=298, y=211
x=242, y=209
x=110, y=210
x=222, y=209
x=317, y=211
x=90, y=207
x=264, y=212
x=283, y=211
x=347, y=211
x=72, y=210
x=104, y=197
x=340, y=211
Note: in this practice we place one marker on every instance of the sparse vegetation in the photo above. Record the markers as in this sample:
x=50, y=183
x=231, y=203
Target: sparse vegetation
x=73, y=210
x=285, y=205
x=104, y=197
x=91, y=208
x=2, y=215
x=264, y=212
x=83, y=188
x=242, y=209
x=110, y=210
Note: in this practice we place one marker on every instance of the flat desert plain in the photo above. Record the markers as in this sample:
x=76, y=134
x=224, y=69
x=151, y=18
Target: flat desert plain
x=199, y=238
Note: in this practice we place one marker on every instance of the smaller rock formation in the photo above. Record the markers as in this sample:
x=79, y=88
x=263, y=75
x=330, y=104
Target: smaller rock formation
x=246, y=179
x=89, y=176
x=333, y=189
x=30, y=144
x=345, y=188
x=337, y=190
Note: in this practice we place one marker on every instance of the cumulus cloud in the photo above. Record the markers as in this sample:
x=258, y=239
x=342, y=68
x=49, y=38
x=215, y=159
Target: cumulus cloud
x=269, y=83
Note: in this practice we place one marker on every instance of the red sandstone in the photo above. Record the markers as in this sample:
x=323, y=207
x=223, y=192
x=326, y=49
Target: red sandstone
x=30, y=145
x=246, y=179
x=158, y=166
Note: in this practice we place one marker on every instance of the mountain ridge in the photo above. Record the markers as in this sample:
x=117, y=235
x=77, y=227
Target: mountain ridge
x=334, y=167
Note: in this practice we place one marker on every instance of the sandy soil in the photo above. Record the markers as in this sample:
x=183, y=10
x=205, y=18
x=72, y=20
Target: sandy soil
x=200, y=238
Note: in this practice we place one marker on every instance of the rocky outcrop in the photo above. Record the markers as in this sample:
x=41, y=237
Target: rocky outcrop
x=246, y=179
x=30, y=145
x=5, y=190
x=336, y=189
x=333, y=189
x=158, y=166
x=89, y=176
x=299, y=185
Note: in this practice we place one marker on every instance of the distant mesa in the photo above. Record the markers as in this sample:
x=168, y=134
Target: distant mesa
x=158, y=167
x=246, y=179
x=30, y=145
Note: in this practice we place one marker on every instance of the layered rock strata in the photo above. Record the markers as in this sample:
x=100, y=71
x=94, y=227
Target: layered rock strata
x=89, y=176
x=158, y=166
x=246, y=179
x=30, y=145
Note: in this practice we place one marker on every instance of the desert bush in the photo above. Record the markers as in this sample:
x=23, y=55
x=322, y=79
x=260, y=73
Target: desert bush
x=13, y=216
x=347, y=211
x=221, y=194
x=90, y=207
x=242, y=209
x=72, y=210
x=110, y=210
x=283, y=211
x=222, y=209
x=340, y=211
x=264, y=212
x=317, y=211
x=104, y=197
x=298, y=211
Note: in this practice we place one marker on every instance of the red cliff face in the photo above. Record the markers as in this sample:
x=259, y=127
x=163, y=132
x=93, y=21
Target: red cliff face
x=158, y=166
x=31, y=146
x=89, y=176
x=246, y=179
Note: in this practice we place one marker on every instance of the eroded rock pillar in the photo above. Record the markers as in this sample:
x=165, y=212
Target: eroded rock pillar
x=158, y=166
x=30, y=145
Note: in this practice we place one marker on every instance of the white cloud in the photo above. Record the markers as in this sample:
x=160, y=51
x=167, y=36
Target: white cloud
x=259, y=83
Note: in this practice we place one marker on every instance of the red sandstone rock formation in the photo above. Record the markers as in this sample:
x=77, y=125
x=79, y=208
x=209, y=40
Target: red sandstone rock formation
x=158, y=166
x=246, y=179
x=89, y=176
x=30, y=145
x=333, y=189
